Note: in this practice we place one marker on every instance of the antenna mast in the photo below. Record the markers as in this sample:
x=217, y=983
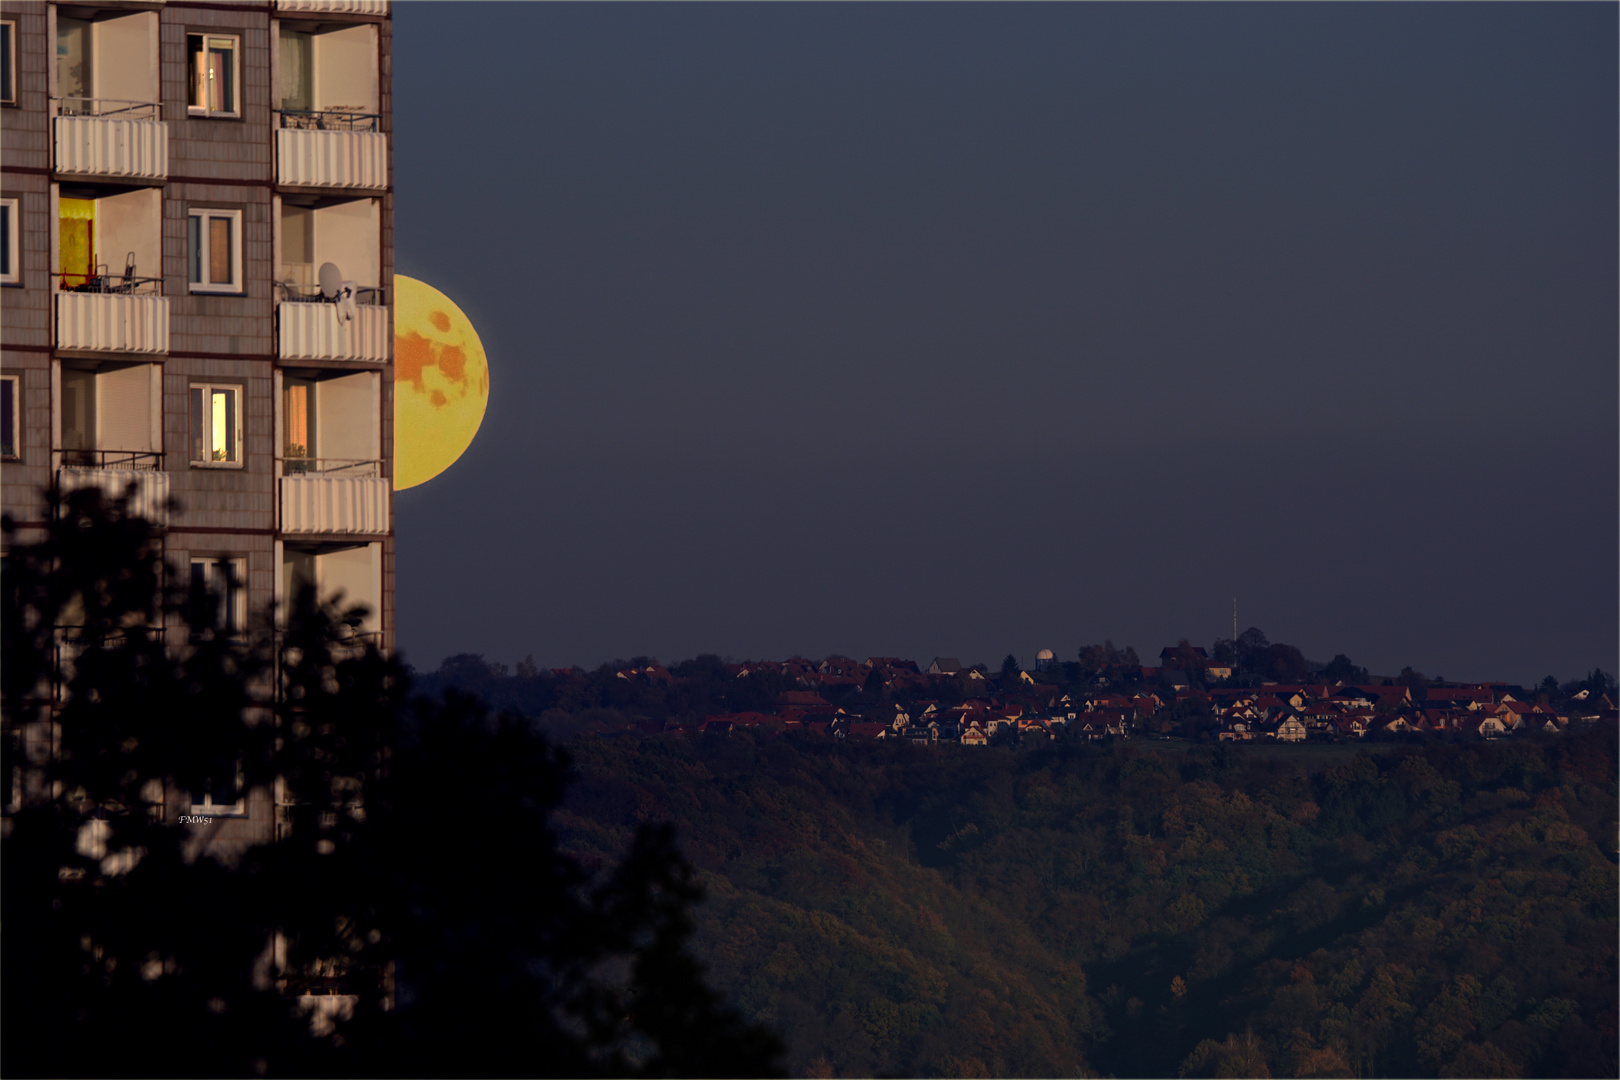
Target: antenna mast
x=1234, y=620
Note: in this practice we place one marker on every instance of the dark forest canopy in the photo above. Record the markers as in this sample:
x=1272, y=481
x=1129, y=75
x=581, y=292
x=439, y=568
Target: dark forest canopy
x=1446, y=910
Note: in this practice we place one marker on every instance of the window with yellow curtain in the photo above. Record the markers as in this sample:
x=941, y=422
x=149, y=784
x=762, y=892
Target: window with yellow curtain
x=298, y=423
x=76, y=240
x=216, y=425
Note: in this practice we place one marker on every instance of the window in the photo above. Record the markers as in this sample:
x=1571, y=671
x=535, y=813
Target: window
x=10, y=416
x=218, y=594
x=10, y=255
x=8, y=62
x=221, y=794
x=214, y=247
x=297, y=70
x=78, y=415
x=212, y=75
x=298, y=424
x=73, y=66
x=216, y=425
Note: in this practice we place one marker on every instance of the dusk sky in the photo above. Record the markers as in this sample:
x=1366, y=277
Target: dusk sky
x=963, y=330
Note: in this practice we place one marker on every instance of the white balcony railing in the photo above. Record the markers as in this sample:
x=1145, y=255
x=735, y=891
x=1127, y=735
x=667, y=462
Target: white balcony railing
x=99, y=137
x=149, y=499
x=317, y=331
x=112, y=322
x=335, y=7
x=334, y=502
x=327, y=157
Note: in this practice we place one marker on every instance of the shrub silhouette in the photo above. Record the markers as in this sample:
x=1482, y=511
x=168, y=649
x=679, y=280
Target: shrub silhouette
x=414, y=872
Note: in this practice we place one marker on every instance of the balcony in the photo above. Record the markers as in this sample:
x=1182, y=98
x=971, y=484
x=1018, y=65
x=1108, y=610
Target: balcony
x=334, y=7
x=113, y=471
x=333, y=496
x=331, y=148
x=312, y=328
x=103, y=137
x=111, y=313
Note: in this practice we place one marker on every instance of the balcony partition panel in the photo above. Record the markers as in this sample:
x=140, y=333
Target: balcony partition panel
x=127, y=401
x=124, y=52
x=345, y=69
x=346, y=417
x=357, y=573
x=129, y=234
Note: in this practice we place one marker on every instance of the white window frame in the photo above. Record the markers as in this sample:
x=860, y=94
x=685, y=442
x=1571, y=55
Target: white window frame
x=209, y=808
x=207, y=426
x=8, y=87
x=15, y=383
x=199, y=254
x=236, y=596
x=201, y=42
x=11, y=271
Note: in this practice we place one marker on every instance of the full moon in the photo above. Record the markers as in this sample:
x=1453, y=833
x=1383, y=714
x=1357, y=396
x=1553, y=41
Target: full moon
x=441, y=382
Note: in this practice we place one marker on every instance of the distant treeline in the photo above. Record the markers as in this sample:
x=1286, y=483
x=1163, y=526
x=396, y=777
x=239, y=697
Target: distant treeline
x=642, y=689
x=1447, y=910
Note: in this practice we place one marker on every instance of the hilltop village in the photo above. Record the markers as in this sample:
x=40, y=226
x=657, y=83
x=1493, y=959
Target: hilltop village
x=1244, y=691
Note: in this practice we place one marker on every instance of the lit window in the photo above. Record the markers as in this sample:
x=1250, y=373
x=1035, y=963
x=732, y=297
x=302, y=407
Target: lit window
x=10, y=256
x=10, y=416
x=214, y=250
x=212, y=74
x=298, y=423
x=8, y=62
x=216, y=425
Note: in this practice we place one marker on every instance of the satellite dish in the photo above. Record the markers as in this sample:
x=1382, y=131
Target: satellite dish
x=331, y=279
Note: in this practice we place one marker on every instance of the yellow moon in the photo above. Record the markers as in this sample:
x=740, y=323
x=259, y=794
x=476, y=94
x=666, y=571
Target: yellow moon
x=441, y=382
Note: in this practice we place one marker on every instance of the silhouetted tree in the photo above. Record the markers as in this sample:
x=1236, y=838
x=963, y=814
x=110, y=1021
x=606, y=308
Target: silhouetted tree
x=1342, y=670
x=416, y=870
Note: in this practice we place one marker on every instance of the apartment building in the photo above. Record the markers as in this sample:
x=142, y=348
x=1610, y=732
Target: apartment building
x=196, y=275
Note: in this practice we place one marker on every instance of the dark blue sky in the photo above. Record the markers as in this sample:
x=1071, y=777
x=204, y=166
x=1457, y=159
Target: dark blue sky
x=913, y=329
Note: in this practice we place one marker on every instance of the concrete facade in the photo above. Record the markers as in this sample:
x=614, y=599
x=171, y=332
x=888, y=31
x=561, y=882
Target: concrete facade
x=209, y=258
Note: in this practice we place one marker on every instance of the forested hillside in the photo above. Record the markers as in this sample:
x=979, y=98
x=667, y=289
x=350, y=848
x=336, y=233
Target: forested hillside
x=1446, y=910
